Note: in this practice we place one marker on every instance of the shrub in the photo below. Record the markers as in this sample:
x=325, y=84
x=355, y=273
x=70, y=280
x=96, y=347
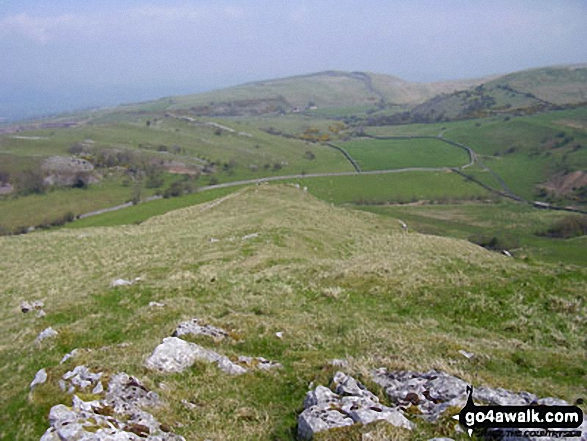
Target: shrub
x=567, y=227
x=495, y=242
x=30, y=181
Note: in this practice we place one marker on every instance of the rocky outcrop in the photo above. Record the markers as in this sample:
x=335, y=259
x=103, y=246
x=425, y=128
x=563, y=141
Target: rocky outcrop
x=434, y=392
x=47, y=333
x=118, y=415
x=81, y=379
x=196, y=327
x=351, y=403
x=176, y=355
x=40, y=378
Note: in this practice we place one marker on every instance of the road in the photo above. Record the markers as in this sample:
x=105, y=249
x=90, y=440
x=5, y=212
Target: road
x=473, y=158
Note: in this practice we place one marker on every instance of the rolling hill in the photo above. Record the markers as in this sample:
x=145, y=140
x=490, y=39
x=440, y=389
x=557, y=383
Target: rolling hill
x=519, y=93
x=332, y=283
x=323, y=89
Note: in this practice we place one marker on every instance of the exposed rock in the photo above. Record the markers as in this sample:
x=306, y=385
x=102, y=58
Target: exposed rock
x=229, y=367
x=434, y=392
x=353, y=403
x=81, y=378
x=176, y=355
x=117, y=416
x=316, y=419
x=347, y=385
x=339, y=363
x=40, y=378
x=466, y=354
x=124, y=282
x=47, y=333
x=250, y=236
x=502, y=397
x=195, y=327
x=69, y=355
x=29, y=306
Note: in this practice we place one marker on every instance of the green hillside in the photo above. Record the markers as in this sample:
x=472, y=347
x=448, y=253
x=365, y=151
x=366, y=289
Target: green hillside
x=520, y=93
x=329, y=89
x=335, y=282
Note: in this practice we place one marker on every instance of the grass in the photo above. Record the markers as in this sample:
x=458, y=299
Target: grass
x=393, y=154
x=516, y=149
x=392, y=188
x=337, y=283
x=31, y=210
x=140, y=213
x=515, y=222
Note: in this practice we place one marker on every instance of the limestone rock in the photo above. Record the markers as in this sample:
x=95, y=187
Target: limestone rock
x=69, y=355
x=176, y=355
x=119, y=416
x=47, y=333
x=40, y=378
x=316, y=419
x=434, y=392
x=124, y=282
x=196, y=327
x=353, y=403
x=30, y=306
x=81, y=378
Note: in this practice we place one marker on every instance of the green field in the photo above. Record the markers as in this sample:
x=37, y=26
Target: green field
x=516, y=223
x=393, y=188
x=379, y=154
x=139, y=213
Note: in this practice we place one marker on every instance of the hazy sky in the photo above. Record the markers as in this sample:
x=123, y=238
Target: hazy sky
x=76, y=53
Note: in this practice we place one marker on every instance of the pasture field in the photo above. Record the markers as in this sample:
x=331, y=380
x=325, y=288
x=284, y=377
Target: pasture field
x=140, y=213
x=399, y=187
x=515, y=223
x=31, y=210
x=198, y=142
x=524, y=151
x=336, y=282
x=379, y=154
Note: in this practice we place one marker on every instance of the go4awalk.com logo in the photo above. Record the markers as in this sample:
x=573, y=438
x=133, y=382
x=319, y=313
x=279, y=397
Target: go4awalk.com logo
x=542, y=419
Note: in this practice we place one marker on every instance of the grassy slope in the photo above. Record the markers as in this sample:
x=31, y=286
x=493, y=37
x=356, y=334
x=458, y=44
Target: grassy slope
x=393, y=154
x=324, y=89
x=260, y=150
x=558, y=85
x=140, y=213
x=531, y=162
x=337, y=283
x=520, y=90
x=515, y=222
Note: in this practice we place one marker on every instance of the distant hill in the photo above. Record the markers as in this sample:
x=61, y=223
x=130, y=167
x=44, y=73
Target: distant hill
x=323, y=89
x=524, y=92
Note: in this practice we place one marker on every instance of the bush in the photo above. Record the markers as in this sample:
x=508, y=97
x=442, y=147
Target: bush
x=495, y=242
x=567, y=227
x=30, y=181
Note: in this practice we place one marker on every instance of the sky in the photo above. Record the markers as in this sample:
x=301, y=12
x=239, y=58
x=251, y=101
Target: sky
x=66, y=54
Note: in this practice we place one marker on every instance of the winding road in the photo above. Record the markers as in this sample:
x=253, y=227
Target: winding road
x=473, y=158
